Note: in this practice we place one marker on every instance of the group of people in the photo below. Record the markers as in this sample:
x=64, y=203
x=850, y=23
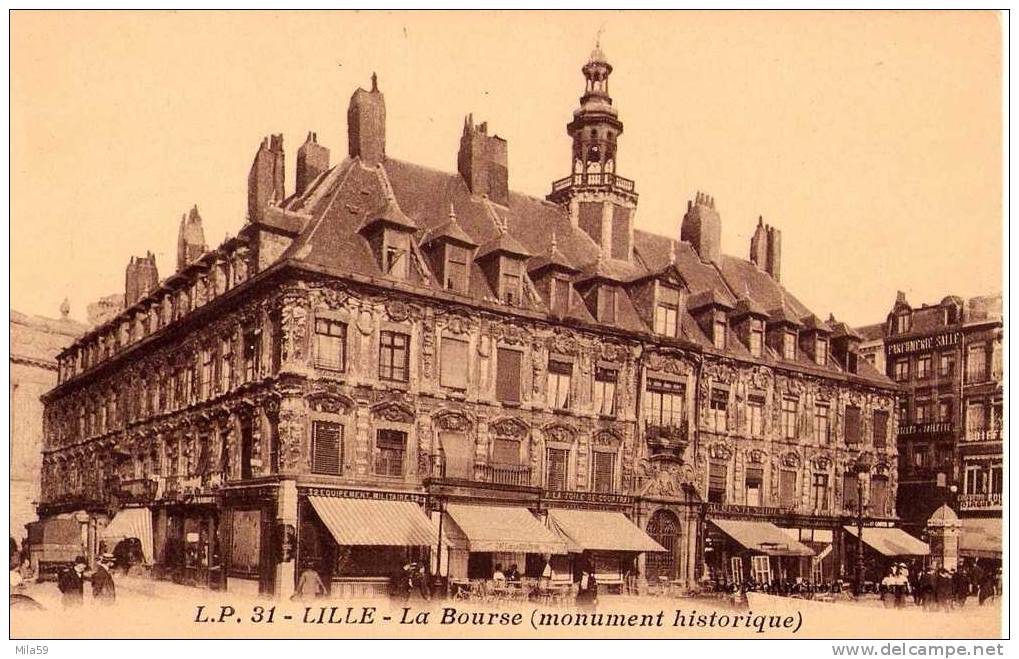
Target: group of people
x=71, y=582
x=942, y=589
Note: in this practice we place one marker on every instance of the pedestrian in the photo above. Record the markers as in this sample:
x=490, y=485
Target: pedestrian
x=103, y=589
x=888, y=588
x=960, y=584
x=943, y=591
x=309, y=584
x=587, y=590
x=71, y=583
x=925, y=589
x=901, y=585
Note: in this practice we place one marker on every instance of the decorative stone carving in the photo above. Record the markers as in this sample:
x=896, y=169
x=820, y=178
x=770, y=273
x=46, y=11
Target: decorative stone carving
x=659, y=362
x=720, y=452
x=457, y=323
x=365, y=323
x=607, y=438
x=394, y=412
x=663, y=479
x=791, y=460
x=822, y=462
x=400, y=311
x=451, y=421
x=329, y=403
x=509, y=427
x=559, y=433
x=755, y=456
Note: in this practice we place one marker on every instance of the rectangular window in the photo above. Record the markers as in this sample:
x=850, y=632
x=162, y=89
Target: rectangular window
x=664, y=402
x=506, y=451
x=922, y=411
x=853, y=432
x=976, y=480
x=820, y=491
x=717, y=477
x=760, y=569
x=976, y=420
x=456, y=268
x=718, y=409
x=880, y=429
x=607, y=304
x=605, y=391
x=507, y=380
x=560, y=377
x=789, y=411
x=559, y=295
x=878, y=504
x=787, y=488
x=397, y=256
x=822, y=423
x=996, y=482
x=556, y=461
x=394, y=356
x=850, y=491
x=821, y=352
x=330, y=344
x=902, y=370
x=602, y=471
x=510, y=281
x=226, y=363
x=946, y=365
x=923, y=367
x=945, y=410
x=902, y=323
x=920, y=458
x=327, y=448
x=789, y=345
x=718, y=333
x=252, y=353
x=391, y=447
x=453, y=364
x=976, y=364
x=667, y=312
x=756, y=408
x=756, y=338
x=754, y=485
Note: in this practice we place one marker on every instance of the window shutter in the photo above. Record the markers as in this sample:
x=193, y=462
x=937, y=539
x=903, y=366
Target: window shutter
x=604, y=463
x=716, y=480
x=852, y=425
x=557, y=469
x=506, y=451
x=787, y=488
x=880, y=429
x=453, y=364
x=507, y=385
x=878, y=495
x=755, y=476
x=850, y=498
x=327, y=455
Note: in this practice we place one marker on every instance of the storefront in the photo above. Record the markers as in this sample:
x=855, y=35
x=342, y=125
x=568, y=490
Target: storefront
x=884, y=545
x=739, y=552
x=980, y=541
x=823, y=566
x=358, y=541
x=129, y=531
x=186, y=545
x=603, y=541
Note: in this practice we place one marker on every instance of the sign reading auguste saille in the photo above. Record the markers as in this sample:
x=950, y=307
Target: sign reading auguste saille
x=918, y=344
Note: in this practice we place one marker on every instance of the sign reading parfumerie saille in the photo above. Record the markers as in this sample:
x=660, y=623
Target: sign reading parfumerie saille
x=924, y=343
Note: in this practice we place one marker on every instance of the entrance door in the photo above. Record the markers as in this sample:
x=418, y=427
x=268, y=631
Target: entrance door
x=663, y=527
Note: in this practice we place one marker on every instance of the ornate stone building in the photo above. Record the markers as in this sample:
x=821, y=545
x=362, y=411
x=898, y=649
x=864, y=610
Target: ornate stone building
x=396, y=360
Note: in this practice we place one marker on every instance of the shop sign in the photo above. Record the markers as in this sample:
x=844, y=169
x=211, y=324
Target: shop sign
x=934, y=428
x=375, y=495
x=924, y=343
x=589, y=497
x=755, y=511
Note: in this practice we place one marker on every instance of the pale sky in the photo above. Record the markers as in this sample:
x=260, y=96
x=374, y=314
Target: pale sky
x=872, y=140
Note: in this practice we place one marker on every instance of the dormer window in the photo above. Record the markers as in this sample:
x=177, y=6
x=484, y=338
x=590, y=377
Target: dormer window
x=821, y=351
x=789, y=345
x=510, y=281
x=559, y=295
x=756, y=343
x=607, y=304
x=667, y=312
x=456, y=268
x=902, y=323
x=397, y=254
x=718, y=335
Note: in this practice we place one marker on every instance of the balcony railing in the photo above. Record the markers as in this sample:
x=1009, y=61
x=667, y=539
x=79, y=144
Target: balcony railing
x=930, y=428
x=137, y=490
x=600, y=180
x=500, y=474
x=980, y=501
x=667, y=435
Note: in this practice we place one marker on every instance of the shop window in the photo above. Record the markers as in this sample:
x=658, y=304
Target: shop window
x=560, y=377
x=605, y=391
x=880, y=429
x=507, y=384
x=330, y=344
x=736, y=569
x=717, y=476
x=819, y=488
x=664, y=402
x=394, y=356
x=556, y=468
x=755, y=406
x=453, y=364
x=789, y=413
x=853, y=431
x=327, y=448
x=754, y=485
x=787, y=488
x=667, y=312
x=391, y=447
x=602, y=471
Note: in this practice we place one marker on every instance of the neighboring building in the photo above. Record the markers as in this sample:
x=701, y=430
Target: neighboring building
x=104, y=309
x=35, y=343
x=948, y=359
x=393, y=350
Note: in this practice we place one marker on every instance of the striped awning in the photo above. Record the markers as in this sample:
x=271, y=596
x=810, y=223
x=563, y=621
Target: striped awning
x=600, y=530
x=130, y=523
x=499, y=529
x=374, y=522
x=890, y=541
x=980, y=538
x=762, y=537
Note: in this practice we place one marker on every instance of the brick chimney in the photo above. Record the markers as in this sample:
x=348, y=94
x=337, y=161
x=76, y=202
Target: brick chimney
x=366, y=125
x=265, y=179
x=190, y=239
x=702, y=228
x=483, y=162
x=312, y=160
x=766, y=248
x=140, y=278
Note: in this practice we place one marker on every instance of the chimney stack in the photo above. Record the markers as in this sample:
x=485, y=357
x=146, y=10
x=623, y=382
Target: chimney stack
x=265, y=179
x=702, y=228
x=312, y=160
x=366, y=125
x=140, y=278
x=483, y=162
x=190, y=239
x=766, y=248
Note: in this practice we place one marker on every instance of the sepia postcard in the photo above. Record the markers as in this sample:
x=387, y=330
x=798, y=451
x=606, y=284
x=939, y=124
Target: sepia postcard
x=493, y=324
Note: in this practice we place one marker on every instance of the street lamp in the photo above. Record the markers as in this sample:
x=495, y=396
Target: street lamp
x=862, y=467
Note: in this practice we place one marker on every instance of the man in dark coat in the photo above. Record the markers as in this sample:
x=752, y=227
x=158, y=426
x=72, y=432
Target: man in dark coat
x=943, y=591
x=71, y=583
x=103, y=589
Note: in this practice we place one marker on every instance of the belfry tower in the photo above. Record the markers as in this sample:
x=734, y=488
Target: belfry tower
x=601, y=202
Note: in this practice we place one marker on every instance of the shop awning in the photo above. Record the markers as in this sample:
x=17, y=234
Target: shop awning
x=130, y=523
x=374, y=522
x=762, y=537
x=980, y=538
x=600, y=530
x=499, y=528
x=890, y=541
